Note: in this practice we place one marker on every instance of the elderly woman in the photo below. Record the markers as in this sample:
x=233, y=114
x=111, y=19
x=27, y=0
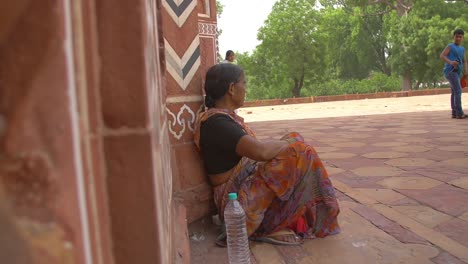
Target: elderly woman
x=281, y=184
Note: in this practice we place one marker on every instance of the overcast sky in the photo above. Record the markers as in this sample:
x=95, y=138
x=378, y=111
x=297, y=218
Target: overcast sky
x=240, y=22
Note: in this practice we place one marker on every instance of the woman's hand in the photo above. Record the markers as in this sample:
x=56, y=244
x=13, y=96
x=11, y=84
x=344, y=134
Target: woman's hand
x=257, y=150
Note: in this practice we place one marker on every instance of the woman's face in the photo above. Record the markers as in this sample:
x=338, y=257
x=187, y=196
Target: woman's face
x=240, y=91
x=231, y=57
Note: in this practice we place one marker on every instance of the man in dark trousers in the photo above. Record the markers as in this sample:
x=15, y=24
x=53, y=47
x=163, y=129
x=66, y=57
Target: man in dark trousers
x=454, y=57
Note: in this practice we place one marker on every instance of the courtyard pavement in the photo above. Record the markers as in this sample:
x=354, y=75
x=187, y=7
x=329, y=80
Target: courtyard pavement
x=400, y=170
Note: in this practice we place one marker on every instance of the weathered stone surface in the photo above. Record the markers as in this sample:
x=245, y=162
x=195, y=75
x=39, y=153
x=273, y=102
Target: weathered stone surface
x=266, y=253
x=448, y=131
x=363, y=129
x=454, y=148
x=392, y=129
x=404, y=201
x=464, y=216
x=188, y=165
x=131, y=193
x=390, y=227
x=390, y=144
x=385, y=155
x=413, y=131
x=321, y=150
x=333, y=170
x=448, y=139
x=419, y=162
x=412, y=139
x=202, y=234
x=37, y=153
x=362, y=242
x=461, y=182
x=423, y=214
x=409, y=183
x=412, y=149
x=48, y=242
x=359, y=182
x=446, y=258
x=343, y=197
x=198, y=201
x=2, y=126
x=460, y=162
x=182, y=244
x=382, y=195
x=292, y=255
x=409, y=162
x=356, y=136
x=327, y=140
x=13, y=247
x=455, y=229
x=337, y=155
x=31, y=186
x=121, y=106
x=377, y=171
x=441, y=175
x=347, y=144
x=445, y=198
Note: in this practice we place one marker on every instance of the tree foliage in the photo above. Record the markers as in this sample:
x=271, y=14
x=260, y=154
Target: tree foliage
x=219, y=9
x=418, y=39
x=347, y=44
x=289, y=47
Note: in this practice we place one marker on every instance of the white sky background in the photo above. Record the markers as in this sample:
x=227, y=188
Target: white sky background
x=240, y=22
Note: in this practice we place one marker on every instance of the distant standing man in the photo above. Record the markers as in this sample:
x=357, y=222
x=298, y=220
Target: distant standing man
x=230, y=57
x=454, y=57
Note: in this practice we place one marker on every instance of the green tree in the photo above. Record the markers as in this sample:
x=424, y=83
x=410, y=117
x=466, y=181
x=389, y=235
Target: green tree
x=406, y=35
x=219, y=9
x=290, y=44
x=354, y=45
x=266, y=79
x=418, y=38
x=219, y=12
x=351, y=46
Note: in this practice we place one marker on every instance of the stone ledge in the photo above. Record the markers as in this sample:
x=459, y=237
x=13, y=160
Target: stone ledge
x=345, y=97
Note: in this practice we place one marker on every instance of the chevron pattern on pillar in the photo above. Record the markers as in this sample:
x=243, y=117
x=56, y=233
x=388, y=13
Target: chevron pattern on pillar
x=183, y=69
x=179, y=10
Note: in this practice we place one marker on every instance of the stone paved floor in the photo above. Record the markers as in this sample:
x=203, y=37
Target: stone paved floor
x=401, y=179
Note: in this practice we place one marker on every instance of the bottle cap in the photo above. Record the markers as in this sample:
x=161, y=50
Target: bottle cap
x=232, y=196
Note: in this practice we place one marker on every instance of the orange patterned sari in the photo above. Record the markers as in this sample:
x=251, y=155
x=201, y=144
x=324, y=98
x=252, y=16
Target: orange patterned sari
x=290, y=189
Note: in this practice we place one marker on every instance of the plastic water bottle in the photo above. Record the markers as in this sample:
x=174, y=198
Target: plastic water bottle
x=236, y=230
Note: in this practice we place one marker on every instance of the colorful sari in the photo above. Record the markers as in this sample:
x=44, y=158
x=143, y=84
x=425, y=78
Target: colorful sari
x=290, y=191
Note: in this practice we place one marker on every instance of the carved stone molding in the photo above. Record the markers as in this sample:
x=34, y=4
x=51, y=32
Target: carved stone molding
x=179, y=123
x=207, y=29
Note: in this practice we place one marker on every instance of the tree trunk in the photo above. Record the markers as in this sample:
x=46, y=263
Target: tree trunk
x=406, y=83
x=296, y=90
x=298, y=83
x=418, y=85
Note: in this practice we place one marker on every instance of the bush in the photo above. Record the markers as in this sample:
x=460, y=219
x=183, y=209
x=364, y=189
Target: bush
x=378, y=82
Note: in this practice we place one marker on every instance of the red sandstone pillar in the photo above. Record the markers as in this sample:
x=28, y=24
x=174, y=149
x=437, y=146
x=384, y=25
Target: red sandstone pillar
x=190, y=48
x=83, y=134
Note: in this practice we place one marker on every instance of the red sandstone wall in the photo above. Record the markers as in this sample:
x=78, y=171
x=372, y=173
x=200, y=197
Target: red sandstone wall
x=37, y=170
x=190, y=48
x=83, y=119
x=134, y=131
x=97, y=100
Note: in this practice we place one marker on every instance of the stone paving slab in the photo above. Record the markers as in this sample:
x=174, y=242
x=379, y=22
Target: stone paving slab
x=396, y=208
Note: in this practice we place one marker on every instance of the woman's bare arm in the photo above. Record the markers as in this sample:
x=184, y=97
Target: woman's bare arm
x=258, y=150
